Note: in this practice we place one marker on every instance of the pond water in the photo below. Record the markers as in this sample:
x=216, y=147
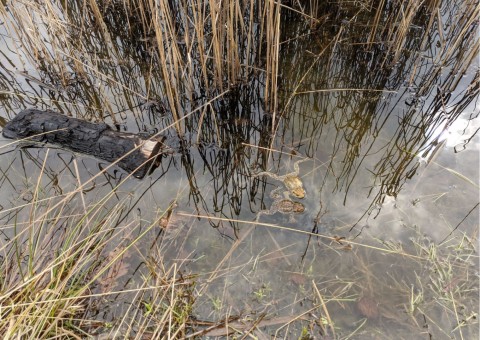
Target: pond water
x=387, y=245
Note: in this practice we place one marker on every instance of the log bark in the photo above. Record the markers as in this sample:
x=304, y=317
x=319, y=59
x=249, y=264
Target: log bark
x=131, y=152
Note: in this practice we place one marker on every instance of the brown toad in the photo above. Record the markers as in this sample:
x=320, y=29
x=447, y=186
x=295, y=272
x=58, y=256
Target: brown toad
x=283, y=205
x=291, y=180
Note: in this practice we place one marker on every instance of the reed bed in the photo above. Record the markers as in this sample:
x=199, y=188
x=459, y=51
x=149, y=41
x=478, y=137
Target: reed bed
x=195, y=48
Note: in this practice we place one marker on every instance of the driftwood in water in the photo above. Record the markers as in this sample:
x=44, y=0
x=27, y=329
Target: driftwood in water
x=130, y=152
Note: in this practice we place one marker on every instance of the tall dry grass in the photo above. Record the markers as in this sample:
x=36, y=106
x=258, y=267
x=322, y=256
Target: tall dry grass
x=60, y=260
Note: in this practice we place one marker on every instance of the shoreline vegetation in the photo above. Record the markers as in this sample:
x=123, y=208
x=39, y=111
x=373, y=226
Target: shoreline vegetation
x=181, y=69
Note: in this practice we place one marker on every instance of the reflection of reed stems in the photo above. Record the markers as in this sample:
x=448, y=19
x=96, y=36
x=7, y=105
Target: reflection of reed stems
x=178, y=55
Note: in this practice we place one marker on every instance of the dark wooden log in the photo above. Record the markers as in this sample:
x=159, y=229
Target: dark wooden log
x=130, y=152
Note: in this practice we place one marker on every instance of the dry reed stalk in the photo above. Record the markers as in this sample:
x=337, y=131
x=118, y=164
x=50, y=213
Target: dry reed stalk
x=216, y=44
x=271, y=22
x=199, y=23
x=398, y=36
x=232, y=44
x=188, y=74
x=101, y=23
x=250, y=34
x=168, y=59
x=466, y=22
x=376, y=20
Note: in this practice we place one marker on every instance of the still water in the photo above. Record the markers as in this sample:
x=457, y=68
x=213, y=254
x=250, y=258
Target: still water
x=386, y=245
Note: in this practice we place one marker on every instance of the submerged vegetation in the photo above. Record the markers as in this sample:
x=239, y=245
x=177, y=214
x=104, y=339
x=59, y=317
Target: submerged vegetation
x=361, y=94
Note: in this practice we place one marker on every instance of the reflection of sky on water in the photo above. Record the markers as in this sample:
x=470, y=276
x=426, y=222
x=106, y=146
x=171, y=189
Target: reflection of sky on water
x=458, y=134
x=461, y=131
x=444, y=191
